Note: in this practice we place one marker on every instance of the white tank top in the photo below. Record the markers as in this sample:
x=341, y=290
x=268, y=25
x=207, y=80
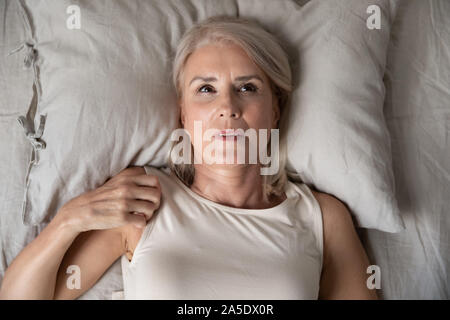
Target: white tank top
x=194, y=248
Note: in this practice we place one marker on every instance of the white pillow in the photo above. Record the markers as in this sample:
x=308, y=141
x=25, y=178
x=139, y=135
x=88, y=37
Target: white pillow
x=337, y=138
x=106, y=91
x=109, y=102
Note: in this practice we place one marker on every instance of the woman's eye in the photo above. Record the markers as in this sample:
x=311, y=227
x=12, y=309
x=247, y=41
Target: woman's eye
x=204, y=89
x=248, y=88
x=245, y=88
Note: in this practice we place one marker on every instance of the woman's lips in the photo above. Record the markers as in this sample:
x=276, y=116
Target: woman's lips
x=231, y=137
x=229, y=134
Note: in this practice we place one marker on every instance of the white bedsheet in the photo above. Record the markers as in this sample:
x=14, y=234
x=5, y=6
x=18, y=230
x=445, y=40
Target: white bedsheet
x=415, y=263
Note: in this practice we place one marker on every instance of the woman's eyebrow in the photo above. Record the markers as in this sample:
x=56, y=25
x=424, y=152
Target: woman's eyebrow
x=241, y=78
x=207, y=79
x=246, y=78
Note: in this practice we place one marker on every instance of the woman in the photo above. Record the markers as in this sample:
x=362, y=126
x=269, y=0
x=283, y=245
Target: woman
x=206, y=230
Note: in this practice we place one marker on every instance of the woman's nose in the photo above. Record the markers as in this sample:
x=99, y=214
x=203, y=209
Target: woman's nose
x=229, y=109
x=230, y=114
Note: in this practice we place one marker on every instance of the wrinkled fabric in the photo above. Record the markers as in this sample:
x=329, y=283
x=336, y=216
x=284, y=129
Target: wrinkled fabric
x=414, y=263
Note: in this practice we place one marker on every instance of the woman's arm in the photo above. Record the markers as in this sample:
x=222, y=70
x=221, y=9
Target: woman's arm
x=92, y=252
x=39, y=271
x=32, y=274
x=94, y=225
x=344, y=260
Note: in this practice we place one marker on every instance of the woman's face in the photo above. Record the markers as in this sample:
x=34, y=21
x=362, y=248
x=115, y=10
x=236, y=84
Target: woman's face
x=224, y=89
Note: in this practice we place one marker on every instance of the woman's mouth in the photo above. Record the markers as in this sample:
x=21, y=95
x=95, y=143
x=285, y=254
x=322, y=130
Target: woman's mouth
x=229, y=134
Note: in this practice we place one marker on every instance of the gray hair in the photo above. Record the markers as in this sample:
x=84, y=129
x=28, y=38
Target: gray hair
x=266, y=52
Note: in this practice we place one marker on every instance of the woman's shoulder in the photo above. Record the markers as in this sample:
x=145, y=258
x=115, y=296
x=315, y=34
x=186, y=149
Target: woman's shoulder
x=335, y=215
x=337, y=224
x=343, y=254
x=332, y=208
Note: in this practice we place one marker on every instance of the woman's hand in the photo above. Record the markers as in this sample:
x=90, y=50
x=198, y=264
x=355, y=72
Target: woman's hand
x=33, y=273
x=131, y=196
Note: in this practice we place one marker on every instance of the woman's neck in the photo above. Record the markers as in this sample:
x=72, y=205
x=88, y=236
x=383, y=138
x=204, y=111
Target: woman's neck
x=238, y=186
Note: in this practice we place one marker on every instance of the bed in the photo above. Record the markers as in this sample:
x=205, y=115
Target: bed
x=417, y=109
x=414, y=262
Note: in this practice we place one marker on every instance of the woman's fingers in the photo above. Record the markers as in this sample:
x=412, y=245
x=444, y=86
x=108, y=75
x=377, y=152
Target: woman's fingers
x=116, y=213
x=145, y=180
x=151, y=194
x=131, y=190
x=147, y=193
x=132, y=196
x=137, y=219
x=141, y=206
